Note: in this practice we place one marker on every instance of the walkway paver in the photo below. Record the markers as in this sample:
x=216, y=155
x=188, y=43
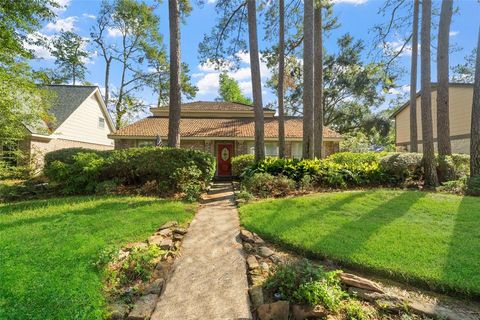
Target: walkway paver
x=209, y=279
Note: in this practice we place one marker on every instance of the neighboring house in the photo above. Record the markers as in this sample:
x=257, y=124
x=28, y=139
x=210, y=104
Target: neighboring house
x=224, y=129
x=81, y=120
x=460, y=114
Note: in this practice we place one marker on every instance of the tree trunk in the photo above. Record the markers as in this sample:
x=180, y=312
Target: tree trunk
x=256, y=80
x=443, y=122
x=175, y=97
x=318, y=84
x=413, y=81
x=281, y=80
x=475, y=134
x=108, y=62
x=308, y=53
x=431, y=179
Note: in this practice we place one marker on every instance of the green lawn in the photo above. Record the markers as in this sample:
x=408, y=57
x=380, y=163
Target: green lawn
x=48, y=248
x=429, y=239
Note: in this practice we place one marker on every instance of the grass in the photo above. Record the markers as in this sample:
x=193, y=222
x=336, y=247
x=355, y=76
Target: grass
x=425, y=238
x=49, y=247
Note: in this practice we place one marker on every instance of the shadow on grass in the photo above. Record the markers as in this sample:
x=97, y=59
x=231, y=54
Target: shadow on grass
x=462, y=265
x=63, y=213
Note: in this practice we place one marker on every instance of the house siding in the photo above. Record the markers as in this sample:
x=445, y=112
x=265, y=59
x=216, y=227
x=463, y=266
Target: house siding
x=83, y=125
x=460, y=121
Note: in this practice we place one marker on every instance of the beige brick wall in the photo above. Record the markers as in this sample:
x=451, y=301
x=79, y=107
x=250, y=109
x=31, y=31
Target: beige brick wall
x=193, y=144
x=124, y=143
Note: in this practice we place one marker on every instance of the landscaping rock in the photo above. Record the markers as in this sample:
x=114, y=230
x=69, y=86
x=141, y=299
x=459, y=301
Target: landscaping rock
x=168, y=225
x=165, y=232
x=265, y=267
x=179, y=230
x=247, y=236
x=143, y=308
x=273, y=311
x=155, y=287
x=256, y=295
x=177, y=237
x=265, y=252
x=359, y=282
x=366, y=295
x=436, y=311
x=166, y=244
x=257, y=239
x=123, y=254
x=118, y=311
x=252, y=262
x=248, y=247
x=304, y=312
x=275, y=259
x=155, y=240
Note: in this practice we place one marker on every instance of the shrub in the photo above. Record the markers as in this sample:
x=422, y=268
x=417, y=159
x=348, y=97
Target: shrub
x=245, y=195
x=265, y=185
x=351, y=158
x=354, y=310
x=241, y=163
x=173, y=170
x=403, y=166
x=453, y=167
x=456, y=186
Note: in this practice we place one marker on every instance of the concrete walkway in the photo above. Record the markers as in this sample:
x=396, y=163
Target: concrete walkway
x=209, y=279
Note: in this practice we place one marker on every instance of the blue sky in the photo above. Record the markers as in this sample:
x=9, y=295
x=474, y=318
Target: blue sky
x=356, y=17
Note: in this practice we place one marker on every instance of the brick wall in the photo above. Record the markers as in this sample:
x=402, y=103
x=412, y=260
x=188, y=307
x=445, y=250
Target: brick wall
x=193, y=144
x=124, y=143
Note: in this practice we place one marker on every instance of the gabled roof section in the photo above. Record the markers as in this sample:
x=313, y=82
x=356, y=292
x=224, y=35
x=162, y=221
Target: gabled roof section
x=434, y=87
x=213, y=109
x=66, y=99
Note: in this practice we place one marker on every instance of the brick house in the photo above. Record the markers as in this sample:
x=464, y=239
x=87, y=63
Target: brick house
x=224, y=129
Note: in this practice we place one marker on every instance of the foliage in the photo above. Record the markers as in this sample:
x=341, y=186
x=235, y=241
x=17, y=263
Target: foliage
x=289, y=277
x=354, y=310
x=351, y=158
x=49, y=248
x=386, y=231
x=403, y=166
x=465, y=72
x=266, y=185
x=174, y=170
x=455, y=186
x=229, y=90
x=70, y=56
x=242, y=162
x=473, y=186
x=453, y=167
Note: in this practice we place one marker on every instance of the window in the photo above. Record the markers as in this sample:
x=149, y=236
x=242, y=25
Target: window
x=101, y=122
x=271, y=148
x=145, y=143
x=297, y=150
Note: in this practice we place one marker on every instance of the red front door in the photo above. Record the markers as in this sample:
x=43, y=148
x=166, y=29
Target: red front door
x=224, y=159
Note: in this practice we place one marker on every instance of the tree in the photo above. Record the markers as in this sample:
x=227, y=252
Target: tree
x=443, y=122
x=256, y=80
x=22, y=102
x=308, y=81
x=137, y=26
x=281, y=81
x=413, y=80
x=229, y=90
x=175, y=96
x=70, y=56
x=318, y=83
x=431, y=179
x=103, y=22
x=465, y=72
x=475, y=134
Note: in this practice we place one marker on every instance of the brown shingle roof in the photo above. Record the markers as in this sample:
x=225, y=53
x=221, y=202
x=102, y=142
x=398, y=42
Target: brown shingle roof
x=215, y=106
x=215, y=127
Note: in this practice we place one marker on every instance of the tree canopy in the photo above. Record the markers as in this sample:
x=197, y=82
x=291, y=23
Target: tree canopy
x=230, y=91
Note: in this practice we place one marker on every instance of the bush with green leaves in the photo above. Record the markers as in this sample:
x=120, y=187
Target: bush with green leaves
x=354, y=310
x=241, y=163
x=173, y=170
x=473, y=186
x=265, y=185
x=403, y=166
x=455, y=186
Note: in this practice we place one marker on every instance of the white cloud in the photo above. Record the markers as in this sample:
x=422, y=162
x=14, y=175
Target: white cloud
x=393, y=47
x=354, y=2
x=211, y=1
x=114, y=32
x=67, y=24
x=209, y=76
x=39, y=51
x=454, y=33
x=88, y=15
x=400, y=90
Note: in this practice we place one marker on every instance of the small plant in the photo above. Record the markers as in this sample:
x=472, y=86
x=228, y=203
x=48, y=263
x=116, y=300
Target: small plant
x=354, y=310
x=456, y=186
x=245, y=195
x=265, y=185
x=241, y=163
x=326, y=291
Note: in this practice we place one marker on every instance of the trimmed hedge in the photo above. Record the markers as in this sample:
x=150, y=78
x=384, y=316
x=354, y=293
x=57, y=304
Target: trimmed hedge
x=160, y=170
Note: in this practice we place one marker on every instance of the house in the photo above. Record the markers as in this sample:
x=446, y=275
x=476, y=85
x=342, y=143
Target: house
x=460, y=114
x=224, y=129
x=81, y=120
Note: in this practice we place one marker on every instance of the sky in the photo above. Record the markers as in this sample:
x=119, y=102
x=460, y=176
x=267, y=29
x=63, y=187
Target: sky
x=356, y=17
